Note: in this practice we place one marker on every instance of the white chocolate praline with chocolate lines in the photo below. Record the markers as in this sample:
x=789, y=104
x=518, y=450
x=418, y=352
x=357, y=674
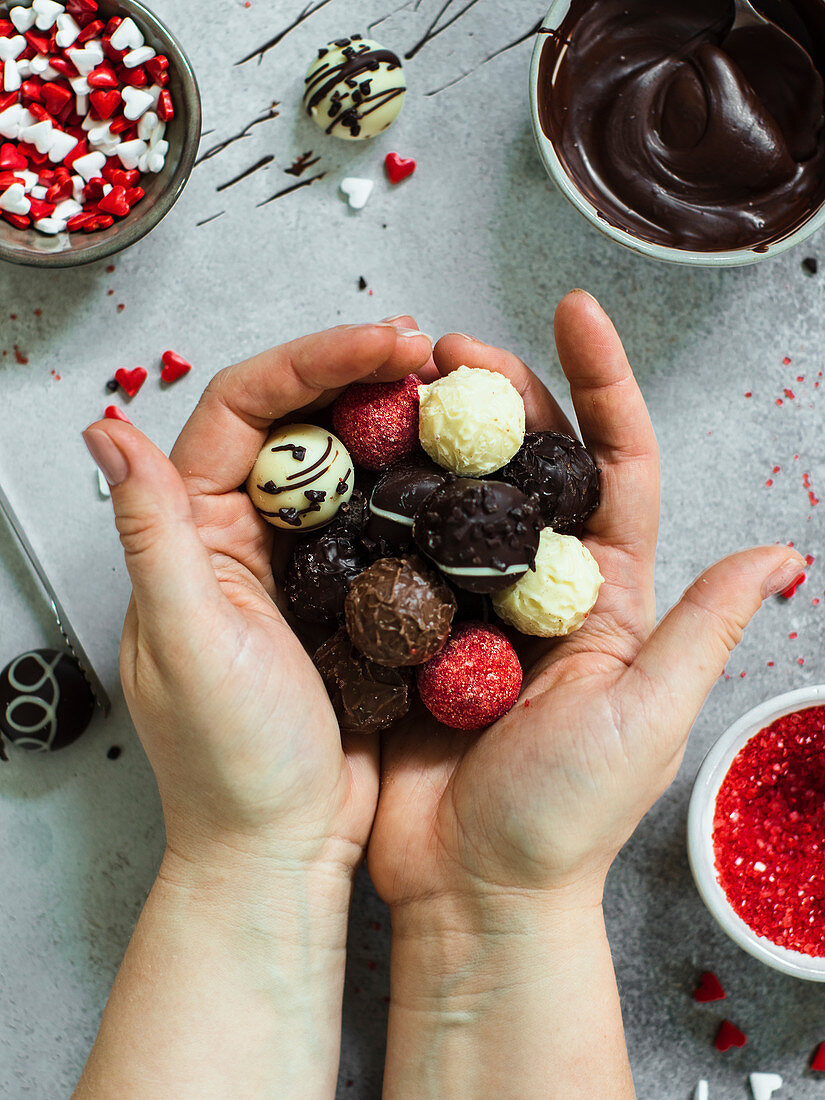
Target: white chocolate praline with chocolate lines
x=471, y=422
x=301, y=477
x=355, y=88
x=555, y=599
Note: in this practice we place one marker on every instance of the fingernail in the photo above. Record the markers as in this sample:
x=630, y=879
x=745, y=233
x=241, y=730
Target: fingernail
x=392, y=320
x=411, y=333
x=579, y=290
x=109, y=459
x=788, y=576
x=464, y=336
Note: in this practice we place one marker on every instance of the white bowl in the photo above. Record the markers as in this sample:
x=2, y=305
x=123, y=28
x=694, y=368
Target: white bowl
x=558, y=173
x=700, y=833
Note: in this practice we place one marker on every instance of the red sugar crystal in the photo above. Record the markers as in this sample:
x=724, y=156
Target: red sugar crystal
x=769, y=832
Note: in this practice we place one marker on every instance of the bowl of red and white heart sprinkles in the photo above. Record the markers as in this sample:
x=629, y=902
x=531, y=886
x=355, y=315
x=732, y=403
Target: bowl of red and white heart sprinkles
x=100, y=121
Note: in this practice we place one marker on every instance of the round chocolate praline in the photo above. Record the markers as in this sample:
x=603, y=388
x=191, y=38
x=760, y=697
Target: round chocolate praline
x=45, y=701
x=366, y=697
x=399, y=613
x=560, y=471
x=482, y=535
x=320, y=574
x=397, y=496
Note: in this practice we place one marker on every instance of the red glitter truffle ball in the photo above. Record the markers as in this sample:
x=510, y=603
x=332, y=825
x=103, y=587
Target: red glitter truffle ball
x=378, y=423
x=474, y=680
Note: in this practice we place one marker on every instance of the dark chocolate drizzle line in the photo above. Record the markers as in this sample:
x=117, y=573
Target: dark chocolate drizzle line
x=308, y=11
x=273, y=490
x=206, y=221
x=320, y=461
x=294, y=187
x=219, y=148
x=537, y=29
x=262, y=163
x=433, y=31
x=383, y=19
x=298, y=453
x=301, y=164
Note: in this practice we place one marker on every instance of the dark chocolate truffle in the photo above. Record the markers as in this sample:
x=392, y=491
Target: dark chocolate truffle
x=561, y=473
x=320, y=573
x=45, y=701
x=483, y=535
x=366, y=697
x=397, y=496
x=399, y=613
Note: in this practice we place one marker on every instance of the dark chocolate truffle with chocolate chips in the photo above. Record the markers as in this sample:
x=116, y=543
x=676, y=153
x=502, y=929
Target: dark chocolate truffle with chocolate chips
x=397, y=496
x=482, y=535
x=366, y=697
x=398, y=612
x=561, y=473
x=45, y=701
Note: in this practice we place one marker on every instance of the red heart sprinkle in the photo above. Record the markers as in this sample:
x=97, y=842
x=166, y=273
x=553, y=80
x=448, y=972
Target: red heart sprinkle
x=818, y=1060
x=19, y=221
x=91, y=30
x=11, y=160
x=165, y=110
x=61, y=189
x=40, y=209
x=32, y=90
x=103, y=76
x=130, y=381
x=56, y=96
x=174, y=366
x=115, y=203
x=114, y=413
x=797, y=582
x=398, y=167
x=709, y=989
x=105, y=103
x=157, y=68
x=729, y=1036
x=8, y=179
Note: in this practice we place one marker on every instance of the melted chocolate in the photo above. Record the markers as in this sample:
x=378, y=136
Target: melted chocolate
x=684, y=133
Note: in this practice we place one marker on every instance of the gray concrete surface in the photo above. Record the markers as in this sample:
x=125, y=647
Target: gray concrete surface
x=477, y=241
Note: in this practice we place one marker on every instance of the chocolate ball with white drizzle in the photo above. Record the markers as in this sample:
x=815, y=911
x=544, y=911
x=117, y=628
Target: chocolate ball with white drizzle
x=355, y=88
x=301, y=477
x=482, y=535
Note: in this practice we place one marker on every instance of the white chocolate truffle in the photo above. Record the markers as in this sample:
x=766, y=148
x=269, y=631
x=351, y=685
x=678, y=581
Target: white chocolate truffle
x=355, y=88
x=301, y=477
x=556, y=599
x=471, y=421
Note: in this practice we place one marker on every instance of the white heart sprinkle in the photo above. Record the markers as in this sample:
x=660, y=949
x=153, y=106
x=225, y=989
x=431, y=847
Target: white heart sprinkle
x=62, y=144
x=47, y=13
x=86, y=59
x=67, y=209
x=127, y=36
x=10, y=121
x=39, y=192
x=138, y=57
x=130, y=153
x=67, y=31
x=357, y=191
x=29, y=178
x=39, y=135
x=701, y=1091
x=12, y=80
x=11, y=48
x=764, y=1085
x=103, y=486
x=23, y=18
x=146, y=125
x=52, y=226
x=14, y=201
x=89, y=166
x=136, y=102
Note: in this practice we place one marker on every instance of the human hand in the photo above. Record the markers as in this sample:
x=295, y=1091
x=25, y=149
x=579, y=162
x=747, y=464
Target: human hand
x=231, y=712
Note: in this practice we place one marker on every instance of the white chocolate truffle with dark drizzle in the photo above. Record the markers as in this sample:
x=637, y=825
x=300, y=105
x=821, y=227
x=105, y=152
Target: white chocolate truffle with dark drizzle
x=301, y=477
x=355, y=88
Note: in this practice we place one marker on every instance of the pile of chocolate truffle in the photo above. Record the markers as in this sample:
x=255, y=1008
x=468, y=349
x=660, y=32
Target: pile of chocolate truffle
x=423, y=512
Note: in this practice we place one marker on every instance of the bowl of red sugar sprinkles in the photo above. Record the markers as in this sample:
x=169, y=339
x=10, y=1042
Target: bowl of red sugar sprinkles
x=100, y=121
x=756, y=832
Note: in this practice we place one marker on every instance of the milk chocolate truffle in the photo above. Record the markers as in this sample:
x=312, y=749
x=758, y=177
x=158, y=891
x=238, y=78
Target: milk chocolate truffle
x=355, y=88
x=45, y=701
x=559, y=471
x=471, y=421
x=556, y=599
x=398, y=613
x=366, y=697
x=301, y=477
x=482, y=535
x=396, y=498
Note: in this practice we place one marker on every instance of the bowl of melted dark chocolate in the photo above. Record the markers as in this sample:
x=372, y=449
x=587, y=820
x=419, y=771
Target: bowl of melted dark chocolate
x=678, y=137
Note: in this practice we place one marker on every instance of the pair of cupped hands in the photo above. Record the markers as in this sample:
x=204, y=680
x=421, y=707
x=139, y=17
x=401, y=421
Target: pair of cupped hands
x=236, y=722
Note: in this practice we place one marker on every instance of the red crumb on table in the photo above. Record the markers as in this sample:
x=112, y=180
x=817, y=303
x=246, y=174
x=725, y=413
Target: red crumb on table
x=769, y=483
x=789, y=394
x=749, y=394
x=793, y=635
x=20, y=358
x=768, y=828
x=729, y=1036
x=779, y=401
x=800, y=660
x=786, y=362
x=121, y=308
x=110, y=269
x=812, y=497
x=709, y=989
x=770, y=664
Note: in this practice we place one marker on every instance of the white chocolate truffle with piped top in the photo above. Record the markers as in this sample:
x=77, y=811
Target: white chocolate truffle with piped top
x=471, y=421
x=556, y=599
x=355, y=88
x=301, y=477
